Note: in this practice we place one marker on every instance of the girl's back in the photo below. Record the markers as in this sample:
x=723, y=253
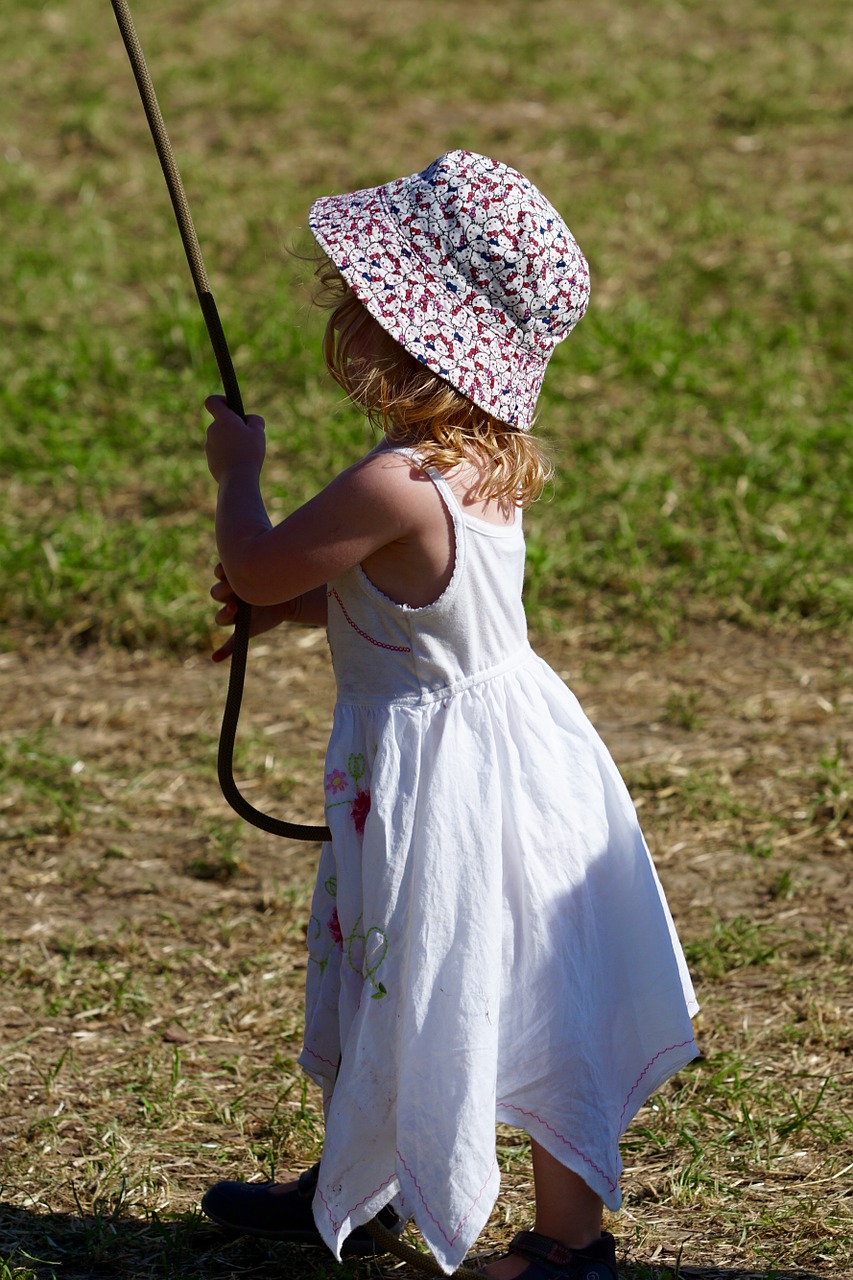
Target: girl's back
x=391, y=642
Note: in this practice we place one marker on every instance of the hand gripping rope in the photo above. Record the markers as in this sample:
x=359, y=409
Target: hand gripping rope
x=290, y=830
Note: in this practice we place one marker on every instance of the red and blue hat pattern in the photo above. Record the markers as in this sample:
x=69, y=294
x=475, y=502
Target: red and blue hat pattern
x=469, y=268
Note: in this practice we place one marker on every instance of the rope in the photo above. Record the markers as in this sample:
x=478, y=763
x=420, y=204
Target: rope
x=180, y=205
x=424, y=1262
x=228, y=734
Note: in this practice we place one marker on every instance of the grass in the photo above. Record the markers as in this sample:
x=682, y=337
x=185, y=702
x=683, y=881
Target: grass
x=699, y=415
x=152, y=1002
x=30, y=769
x=700, y=420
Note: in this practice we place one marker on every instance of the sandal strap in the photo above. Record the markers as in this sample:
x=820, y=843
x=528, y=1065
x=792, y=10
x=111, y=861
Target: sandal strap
x=556, y=1261
x=538, y=1248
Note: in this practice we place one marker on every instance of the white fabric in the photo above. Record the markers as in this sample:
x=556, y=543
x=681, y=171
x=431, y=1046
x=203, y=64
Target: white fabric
x=488, y=940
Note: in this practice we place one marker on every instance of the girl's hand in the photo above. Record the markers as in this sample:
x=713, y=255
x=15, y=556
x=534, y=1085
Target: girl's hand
x=264, y=617
x=231, y=442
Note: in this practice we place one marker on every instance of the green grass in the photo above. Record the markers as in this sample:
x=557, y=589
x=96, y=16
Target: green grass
x=700, y=422
x=31, y=773
x=699, y=417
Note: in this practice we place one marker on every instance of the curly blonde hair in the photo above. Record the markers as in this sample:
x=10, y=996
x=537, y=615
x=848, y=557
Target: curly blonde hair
x=414, y=406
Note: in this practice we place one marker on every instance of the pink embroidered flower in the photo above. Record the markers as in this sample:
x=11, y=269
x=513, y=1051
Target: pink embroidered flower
x=334, y=926
x=336, y=781
x=360, y=810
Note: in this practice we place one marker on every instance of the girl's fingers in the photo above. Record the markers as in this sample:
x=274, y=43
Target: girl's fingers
x=215, y=404
x=225, y=616
x=224, y=651
x=219, y=410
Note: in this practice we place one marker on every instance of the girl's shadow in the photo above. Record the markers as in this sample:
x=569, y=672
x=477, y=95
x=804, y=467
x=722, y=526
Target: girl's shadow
x=64, y=1246
x=61, y=1246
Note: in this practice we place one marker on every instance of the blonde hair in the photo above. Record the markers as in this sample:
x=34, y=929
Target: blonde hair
x=414, y=406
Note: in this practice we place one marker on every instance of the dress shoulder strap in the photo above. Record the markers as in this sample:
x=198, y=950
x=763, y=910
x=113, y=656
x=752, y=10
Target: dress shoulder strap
x=451, y=499
x=410, y=451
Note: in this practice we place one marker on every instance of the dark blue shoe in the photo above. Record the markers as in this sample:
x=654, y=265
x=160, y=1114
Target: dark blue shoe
x=264, y=1209
x=550, y=1260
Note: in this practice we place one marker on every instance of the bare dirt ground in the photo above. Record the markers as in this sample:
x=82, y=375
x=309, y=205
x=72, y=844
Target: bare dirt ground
x=152, y=954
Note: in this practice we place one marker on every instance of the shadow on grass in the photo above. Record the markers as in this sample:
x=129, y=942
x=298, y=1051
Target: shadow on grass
x=62, y=1246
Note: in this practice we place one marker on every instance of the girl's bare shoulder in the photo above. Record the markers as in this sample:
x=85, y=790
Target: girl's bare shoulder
x=398, y=478
x=391, y=479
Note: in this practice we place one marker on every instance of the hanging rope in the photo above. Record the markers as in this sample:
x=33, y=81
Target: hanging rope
x=234, y=697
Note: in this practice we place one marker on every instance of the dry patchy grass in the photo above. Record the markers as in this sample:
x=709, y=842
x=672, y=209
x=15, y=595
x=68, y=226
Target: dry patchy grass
x=153, y=957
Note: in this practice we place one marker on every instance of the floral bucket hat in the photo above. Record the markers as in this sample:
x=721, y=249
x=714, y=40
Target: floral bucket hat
x=469, y=268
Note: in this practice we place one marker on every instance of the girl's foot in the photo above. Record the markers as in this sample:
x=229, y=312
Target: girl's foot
x=282, y=1211
x=506, y=1268
x=536, y=1257
x=567, y=1240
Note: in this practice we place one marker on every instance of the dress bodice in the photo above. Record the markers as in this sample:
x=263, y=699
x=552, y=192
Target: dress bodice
x=383, y=651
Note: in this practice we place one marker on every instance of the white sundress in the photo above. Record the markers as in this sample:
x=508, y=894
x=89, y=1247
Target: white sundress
x=489, y=940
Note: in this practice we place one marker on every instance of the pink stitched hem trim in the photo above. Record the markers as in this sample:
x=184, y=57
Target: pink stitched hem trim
x=669, y=1049
x=560, y=1138
x=451, y=1240
x=533, y=1116
x=319, y=1057
x=380, y=644
x=337, y=1225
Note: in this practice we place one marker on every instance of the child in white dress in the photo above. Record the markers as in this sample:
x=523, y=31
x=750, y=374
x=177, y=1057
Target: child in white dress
x=488, y=941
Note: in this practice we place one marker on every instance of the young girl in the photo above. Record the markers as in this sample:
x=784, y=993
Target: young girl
x=488, y=939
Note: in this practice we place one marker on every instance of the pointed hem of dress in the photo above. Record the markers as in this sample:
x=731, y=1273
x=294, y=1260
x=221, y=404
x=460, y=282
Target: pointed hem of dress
x=605, y=1182
x=403, y=1189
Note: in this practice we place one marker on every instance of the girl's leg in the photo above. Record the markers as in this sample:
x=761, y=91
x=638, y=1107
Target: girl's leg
x=566, y=1210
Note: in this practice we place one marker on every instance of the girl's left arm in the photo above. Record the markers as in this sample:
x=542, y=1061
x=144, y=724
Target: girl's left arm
x=365, y=508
